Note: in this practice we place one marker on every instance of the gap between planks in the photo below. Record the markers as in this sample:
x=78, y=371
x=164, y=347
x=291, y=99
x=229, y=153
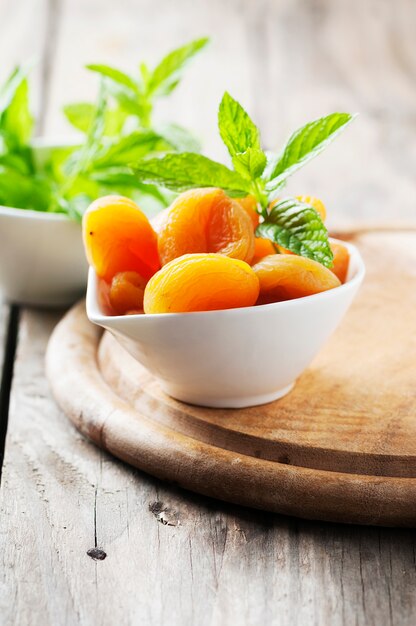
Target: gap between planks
x=11, y=325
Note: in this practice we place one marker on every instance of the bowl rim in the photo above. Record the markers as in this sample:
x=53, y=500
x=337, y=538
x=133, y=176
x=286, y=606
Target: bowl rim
x=38, y=144
x=94, y=314
x=48, y=216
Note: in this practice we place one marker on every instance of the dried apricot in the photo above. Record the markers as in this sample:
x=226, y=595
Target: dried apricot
x=262, y=248
x=118, y=237
x=249, y=204
x=126, y=292
x=104, y=297
x=317, y=204
x=288, y=276
x=283, y=250
x=201, y=282
x=341, y=260
x=201, y=221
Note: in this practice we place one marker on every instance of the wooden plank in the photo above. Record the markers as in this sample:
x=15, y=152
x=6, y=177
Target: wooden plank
x=4, y=321
x=6, y=350
x=171, y=556
x=60, y=497
x=335, y=416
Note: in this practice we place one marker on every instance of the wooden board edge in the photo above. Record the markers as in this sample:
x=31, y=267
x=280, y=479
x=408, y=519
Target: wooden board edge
x=113, y=425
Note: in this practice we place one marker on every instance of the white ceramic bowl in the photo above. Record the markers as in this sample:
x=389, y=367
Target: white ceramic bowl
x=42, y=261
x=233, y=358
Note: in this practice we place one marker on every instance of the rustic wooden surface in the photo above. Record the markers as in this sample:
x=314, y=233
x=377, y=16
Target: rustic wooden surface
x=340, y=447
x=362, y=417
x=173, y=557
x=6, y=353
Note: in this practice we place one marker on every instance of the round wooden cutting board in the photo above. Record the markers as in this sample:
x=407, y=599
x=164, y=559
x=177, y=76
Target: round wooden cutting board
x=341, y=446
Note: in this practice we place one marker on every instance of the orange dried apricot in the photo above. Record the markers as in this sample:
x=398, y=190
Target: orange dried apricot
x=202, y=221
x=287, y=276
x=104, y=297
x=341, y=260
x=126, y=292
x=118, y=237
x=249, y=204
x=201, y=282
x=284, y=250
x=262, y=248
x=317, y=204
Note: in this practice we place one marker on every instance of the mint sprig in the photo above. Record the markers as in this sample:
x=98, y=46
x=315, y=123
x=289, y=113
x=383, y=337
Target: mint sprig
x=305, y=144
x=167, y=74
x=250, y=163
x=298, y=227
x=117, y=129
x=179, y=172
x=290, y=223
x=237, y=130
x=136, y=94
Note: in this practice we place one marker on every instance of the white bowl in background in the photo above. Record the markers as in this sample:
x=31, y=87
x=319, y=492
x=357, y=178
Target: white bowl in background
x=42, y=261
x=236, y=357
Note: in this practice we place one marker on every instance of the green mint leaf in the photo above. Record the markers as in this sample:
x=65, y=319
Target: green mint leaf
x=75, y=206
x=18, y=162
x=15, y=155
x=250, y=163
x=80, y=115
x=115, y=75
x=166, y=74
x=23, y=192
x=115, y=120
x=82, y=185
x=81, y=160
x=54, y=166
x=9, y=88
x=305, y=143
x=124, y=150
x=145, y=74
x=299, y=228
x=132, y=103
x=123, y=177
x=121, y=180
x=97, y=127
x=179, y=138
x=237, y=130
x=188, y=170
x=8, y=143
x=15, y=117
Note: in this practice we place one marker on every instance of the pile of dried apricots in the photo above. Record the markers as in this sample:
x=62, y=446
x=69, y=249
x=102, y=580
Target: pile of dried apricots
x=199, y=254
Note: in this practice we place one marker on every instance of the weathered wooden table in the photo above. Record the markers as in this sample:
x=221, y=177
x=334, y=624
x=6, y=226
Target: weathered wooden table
x=87, y=540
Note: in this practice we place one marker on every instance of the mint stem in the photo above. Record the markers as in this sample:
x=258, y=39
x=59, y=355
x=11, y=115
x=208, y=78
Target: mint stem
x=261, y=197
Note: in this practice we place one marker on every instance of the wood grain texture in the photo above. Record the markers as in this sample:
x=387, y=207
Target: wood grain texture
x=4, y=319
x=5, y=374
x=353, y=411
x=171, y=556
x=340, y=447
x=287, y=61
